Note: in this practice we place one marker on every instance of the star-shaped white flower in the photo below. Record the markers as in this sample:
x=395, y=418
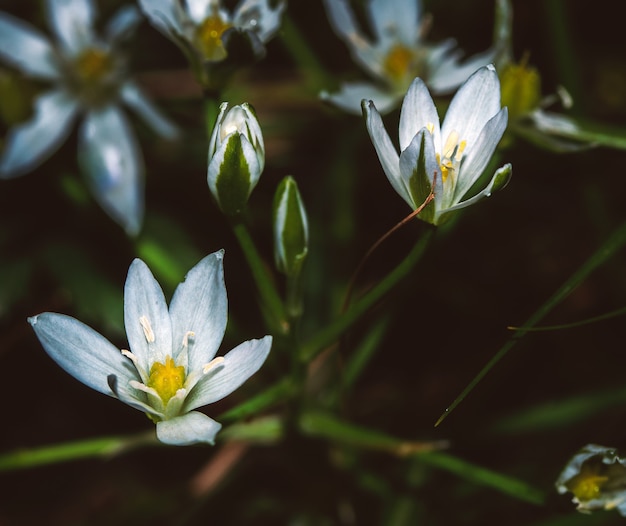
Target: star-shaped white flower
x=89, y=77
x=171, y=368
x=198, y=26
x=396, y=54
x=451, y=157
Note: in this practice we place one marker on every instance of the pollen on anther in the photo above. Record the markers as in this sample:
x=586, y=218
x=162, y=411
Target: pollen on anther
x=130, y=355
x=213, y=363
x=147, y=329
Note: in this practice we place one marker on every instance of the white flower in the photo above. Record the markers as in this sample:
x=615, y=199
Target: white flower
x=88, y=76
x=236, y=157
x=596, y=476
x=199, y=25
x=452, y=157
x=171, y=368
x=396, y=54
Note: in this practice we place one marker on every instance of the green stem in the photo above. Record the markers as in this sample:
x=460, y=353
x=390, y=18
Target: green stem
x=331, y=333
x=278, y=392
x=97, y=447
x=614, y=243
x=265, y=285
x=303, y=56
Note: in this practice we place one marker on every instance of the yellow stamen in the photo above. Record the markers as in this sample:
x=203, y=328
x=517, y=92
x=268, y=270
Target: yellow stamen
x=214, y=362
x=587, y=485
x=166, y=379
x=209, y=37
x=147, y=329
x=398, y=61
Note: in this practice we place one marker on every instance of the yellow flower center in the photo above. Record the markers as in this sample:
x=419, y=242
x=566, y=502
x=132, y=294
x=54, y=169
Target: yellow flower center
x=398, y=61
x=587, y=486
x=209, y=37
x=166, y=379
x=92, y=65
x=451, y=155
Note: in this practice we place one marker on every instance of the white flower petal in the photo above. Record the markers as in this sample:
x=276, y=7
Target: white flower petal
x=387, y=154
x=111, y=159
x=418, y=111
x=123, y=23
x=200, y=9
x=395, y=20
x=72, y=21
x=258, y=17
x=191, y=428
x=144, y=300
x=25, y=48
x=200, y=305
x=82, y=352
x=133, y=96
x=238, y=365
x=477, y=159
x=501, y=176
x=165, y=15
x=350, y=95
x=32, y=142
x=477, y=101
x=342, y=19
x=446, y=73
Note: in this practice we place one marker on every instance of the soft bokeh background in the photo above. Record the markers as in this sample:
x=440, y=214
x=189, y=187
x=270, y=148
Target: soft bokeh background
x=492, y=269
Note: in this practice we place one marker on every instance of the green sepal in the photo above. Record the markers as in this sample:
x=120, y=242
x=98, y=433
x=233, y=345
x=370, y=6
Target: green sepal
x=233, y=181
x=420, y=186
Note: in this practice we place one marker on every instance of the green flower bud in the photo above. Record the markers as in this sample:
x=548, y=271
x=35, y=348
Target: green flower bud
x=291, y=229
x=236, y=157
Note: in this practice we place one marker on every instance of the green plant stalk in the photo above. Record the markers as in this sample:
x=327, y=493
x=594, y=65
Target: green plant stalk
x=483, y=476
x=263, y=280
x=97, y=447
x=331, y=333
x=303, y=55
x=606, y=251
x=278, y=392
x=326, y=426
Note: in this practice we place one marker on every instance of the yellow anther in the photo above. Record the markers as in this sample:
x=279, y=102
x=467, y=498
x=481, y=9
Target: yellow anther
x=430, y=127
x=166, y=379
x=398, y=61
x=213, y=363
x=451, y=143
x=147, y=329
x=209, y=37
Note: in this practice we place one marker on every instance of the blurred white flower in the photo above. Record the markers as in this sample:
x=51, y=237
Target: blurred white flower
x=88, y=77
x=198, y=27
x=451, y=158
x=596, y=476
x=171, y=368
x=396, y=54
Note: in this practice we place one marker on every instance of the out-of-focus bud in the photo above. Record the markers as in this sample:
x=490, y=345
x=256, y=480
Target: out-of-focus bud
x=236, y=157
x=521, y=88
x=291, y=229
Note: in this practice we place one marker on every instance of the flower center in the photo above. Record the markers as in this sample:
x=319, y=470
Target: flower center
x=398, y=61
x=209, y=37
x=587, y=486
x=92, y=65
x=451, y=155
x=166, y=379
